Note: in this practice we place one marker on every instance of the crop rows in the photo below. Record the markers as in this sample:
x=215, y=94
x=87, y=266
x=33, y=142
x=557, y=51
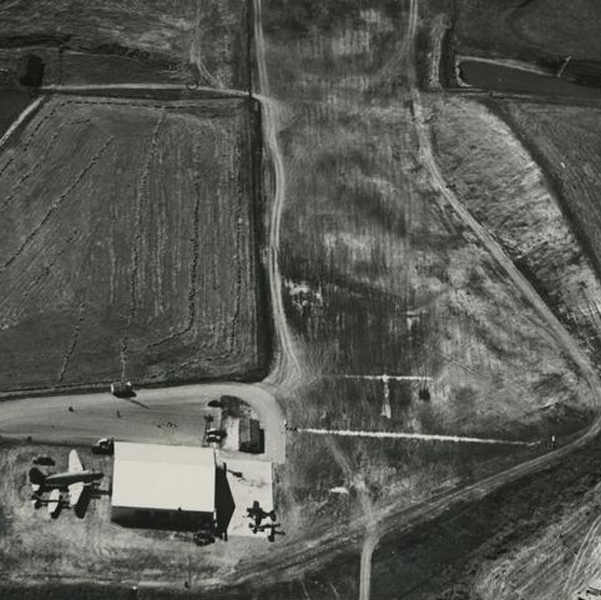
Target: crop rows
x=127, y=246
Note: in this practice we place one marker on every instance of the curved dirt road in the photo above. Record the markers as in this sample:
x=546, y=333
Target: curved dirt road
x=286, y=370
x=169, y=415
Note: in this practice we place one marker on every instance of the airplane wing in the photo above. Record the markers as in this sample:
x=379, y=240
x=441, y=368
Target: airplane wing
x=75, y=491
x=53, y=501
x=75, y=465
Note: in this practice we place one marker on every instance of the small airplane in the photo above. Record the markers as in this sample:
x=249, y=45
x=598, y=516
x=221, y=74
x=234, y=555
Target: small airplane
x=273, y=527
x=72, y=481
x=256, y=513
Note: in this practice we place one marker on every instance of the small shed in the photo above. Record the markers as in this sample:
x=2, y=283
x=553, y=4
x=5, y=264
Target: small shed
x=31, y=70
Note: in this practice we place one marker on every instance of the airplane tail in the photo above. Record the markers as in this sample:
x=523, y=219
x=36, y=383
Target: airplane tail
x=36, y=476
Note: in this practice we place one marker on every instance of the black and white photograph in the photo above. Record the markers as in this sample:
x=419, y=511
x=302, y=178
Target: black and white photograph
x=300, y=299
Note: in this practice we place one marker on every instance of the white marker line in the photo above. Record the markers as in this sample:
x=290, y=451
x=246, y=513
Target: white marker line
x=413, y=436
x=386, y=377
x=30, y=108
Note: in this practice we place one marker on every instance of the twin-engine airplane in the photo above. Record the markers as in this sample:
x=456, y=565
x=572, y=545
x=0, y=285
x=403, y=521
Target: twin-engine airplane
x=72, y=481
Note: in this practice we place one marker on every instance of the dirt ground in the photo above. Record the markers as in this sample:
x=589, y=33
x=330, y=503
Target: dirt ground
x=81, y=549
x=130, y=245
x=381, y=276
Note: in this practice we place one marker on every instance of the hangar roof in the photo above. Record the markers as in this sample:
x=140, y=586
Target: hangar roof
x=164, y=477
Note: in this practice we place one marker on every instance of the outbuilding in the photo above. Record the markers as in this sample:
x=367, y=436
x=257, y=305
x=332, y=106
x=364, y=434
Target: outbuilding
x=164, y=487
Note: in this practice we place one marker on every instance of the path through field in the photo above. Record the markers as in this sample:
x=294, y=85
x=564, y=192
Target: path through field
x=286, y=372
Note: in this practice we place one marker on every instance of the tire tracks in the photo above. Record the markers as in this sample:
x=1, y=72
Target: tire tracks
x=56, y=205
x=286, y=370
x=73, y=344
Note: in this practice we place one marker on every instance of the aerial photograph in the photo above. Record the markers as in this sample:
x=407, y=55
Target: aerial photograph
x=300, y=299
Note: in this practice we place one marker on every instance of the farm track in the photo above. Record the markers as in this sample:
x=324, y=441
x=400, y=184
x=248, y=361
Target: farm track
x=16, y=187
x=73, y=343
x=142, y=193
x=286, y=371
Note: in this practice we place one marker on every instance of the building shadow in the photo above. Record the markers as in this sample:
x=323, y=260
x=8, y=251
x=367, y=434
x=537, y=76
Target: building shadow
x=224, y=501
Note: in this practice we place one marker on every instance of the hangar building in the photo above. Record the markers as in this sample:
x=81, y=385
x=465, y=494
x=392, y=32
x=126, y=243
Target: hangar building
x=165, y=487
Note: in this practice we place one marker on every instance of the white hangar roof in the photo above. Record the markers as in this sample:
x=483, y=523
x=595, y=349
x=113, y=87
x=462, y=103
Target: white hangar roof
x=154, y=476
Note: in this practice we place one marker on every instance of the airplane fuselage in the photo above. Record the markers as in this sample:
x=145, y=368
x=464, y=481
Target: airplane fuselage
x=60, y=480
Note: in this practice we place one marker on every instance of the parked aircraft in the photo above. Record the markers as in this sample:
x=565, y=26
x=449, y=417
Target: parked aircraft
x=257, y=514
x=73, y=481
x=273, y=530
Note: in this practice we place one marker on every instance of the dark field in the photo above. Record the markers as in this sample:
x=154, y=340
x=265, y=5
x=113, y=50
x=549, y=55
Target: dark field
x=129, y=245
x=506, y=79
x=12, y=103
x=533, y=30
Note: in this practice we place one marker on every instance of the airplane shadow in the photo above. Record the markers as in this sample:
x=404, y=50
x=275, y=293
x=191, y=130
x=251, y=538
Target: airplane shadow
x=136, y=402
x=88, y=494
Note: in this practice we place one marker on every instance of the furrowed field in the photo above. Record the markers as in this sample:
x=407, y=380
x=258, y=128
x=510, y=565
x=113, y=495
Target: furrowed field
x=128, y=245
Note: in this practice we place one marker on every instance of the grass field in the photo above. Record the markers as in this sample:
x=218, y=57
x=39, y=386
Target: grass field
x=380, y=278
x=519, y=542
x=565, y=141
x=129, y=245
x=500, y=182
x=211, y=37
x=36, y=548
x=532, y=30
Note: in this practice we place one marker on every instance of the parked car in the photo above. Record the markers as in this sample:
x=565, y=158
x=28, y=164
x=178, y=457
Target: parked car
x=215, y=436
x=123, y=389
x=104, y=446
x=204, y=537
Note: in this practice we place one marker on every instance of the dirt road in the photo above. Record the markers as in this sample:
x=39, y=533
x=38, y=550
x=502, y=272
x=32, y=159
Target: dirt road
x=167, y=415
x=286, y=371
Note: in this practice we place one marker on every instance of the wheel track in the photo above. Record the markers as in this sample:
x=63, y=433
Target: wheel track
x=142, y=191
x=17, y=185
x=286, y=369
x=73, y=343
x=56, y=205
